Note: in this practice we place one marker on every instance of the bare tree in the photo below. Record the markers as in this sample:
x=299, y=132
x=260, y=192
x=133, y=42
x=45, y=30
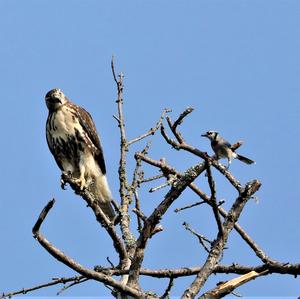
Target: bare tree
x=124, y=279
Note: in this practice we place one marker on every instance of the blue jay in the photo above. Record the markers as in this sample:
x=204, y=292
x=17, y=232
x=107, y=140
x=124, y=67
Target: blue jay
x=223, y=148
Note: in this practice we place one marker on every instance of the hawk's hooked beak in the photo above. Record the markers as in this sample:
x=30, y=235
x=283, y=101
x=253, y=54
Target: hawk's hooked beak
x=55, y=100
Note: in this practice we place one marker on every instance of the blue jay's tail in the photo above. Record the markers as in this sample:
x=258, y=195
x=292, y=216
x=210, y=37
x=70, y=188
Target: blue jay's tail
x=244, y=159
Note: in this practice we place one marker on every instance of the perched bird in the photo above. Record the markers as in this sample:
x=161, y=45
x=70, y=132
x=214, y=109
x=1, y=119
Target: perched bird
x=75, y=144
x=223, y=149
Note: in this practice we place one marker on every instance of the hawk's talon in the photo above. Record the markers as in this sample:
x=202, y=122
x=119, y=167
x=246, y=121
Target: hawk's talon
x=63, y=180
x=81, y=182
x=63, y=183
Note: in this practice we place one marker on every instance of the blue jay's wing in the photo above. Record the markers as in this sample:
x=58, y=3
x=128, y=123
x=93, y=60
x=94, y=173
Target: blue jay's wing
x=224, y=142
x=227, y=143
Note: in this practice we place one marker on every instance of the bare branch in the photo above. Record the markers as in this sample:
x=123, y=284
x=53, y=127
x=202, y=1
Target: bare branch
x=177, y=122
x=290, y=269
x=228, y=287
x=167, y=169
x=257, y=250
x=131, y=251
x=218, y=246
x=181, y=145
x=140, y=215
x=87, y=273
x=125, y=219
x=159, y=228
x=169, y=140
x=42, y=216
x=101, y=218
x=188, y=177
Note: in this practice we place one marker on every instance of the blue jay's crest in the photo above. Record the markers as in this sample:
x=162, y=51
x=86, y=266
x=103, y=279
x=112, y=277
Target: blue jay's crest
x=211, y=135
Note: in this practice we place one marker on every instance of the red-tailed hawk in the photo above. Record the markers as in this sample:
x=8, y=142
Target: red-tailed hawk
x=73, y=141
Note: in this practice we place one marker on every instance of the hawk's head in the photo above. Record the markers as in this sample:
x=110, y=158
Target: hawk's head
x=55, y=99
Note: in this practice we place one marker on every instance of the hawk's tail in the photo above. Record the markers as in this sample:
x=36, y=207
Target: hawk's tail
x=244, y=159
x=108, y=210
x=102, y=194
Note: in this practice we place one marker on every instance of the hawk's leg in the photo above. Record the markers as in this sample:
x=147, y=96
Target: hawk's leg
x=81, y=180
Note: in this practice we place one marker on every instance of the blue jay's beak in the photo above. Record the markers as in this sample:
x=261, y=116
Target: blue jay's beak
x=204, y=135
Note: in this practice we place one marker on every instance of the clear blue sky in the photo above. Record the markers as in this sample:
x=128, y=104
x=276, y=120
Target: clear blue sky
x=236, y=62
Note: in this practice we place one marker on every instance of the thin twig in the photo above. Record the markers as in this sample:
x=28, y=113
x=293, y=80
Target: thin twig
x=41, y=286
x=113, y=69
x=177, y=122
x=117, y=119
x=153, y=178
x=161, y=186
x=170, y=180
x=177, y=210
x=140, y=215
x=159, y=228
x=110, y=262
x=78, y=281
x=138, y=208
x=152, y=130
x=212, y=186
x=136, y=183
x=201, y=238
x=166, y=294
